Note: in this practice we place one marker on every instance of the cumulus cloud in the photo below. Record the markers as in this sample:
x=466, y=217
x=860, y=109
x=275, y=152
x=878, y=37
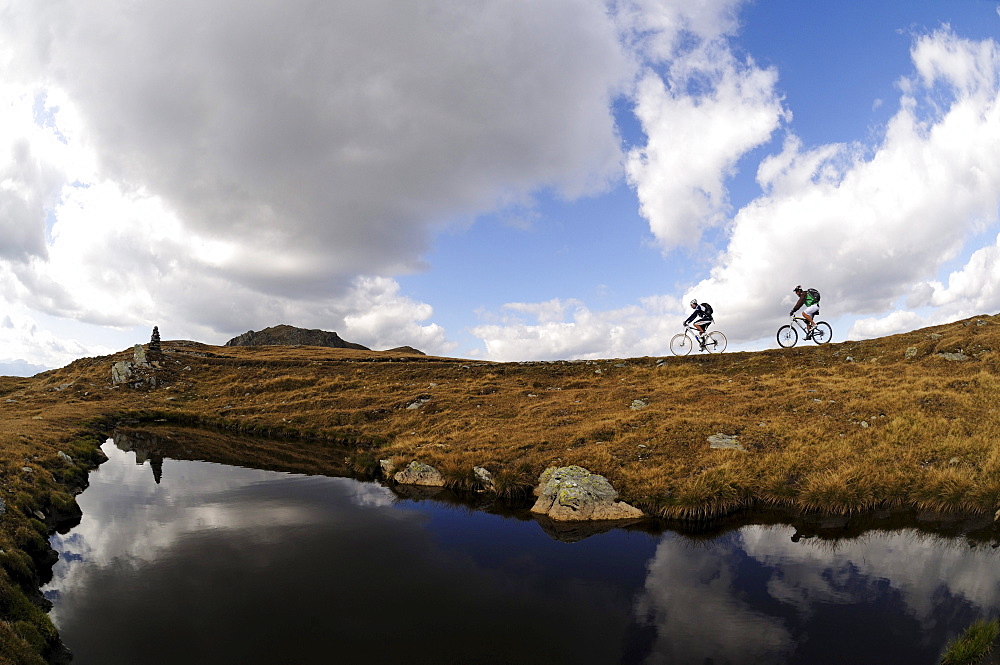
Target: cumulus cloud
x=700, y=116
x=866, y=226
x=332, y=134
x=869, y=225
x=275, y=154
x=569, y=329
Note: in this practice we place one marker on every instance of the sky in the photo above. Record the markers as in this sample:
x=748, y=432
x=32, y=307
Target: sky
x=496, y=179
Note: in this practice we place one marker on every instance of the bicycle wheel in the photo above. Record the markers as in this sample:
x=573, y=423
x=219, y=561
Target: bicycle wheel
x=680, y=344
x=716, y=342
x=822, y=333
x=787, y=336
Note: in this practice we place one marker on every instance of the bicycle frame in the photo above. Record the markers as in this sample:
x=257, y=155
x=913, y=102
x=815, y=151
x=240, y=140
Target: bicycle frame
x=802, y=324
x=682, y=343
x=798, y=326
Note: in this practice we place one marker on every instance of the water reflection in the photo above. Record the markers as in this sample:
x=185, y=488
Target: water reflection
x=220, y=564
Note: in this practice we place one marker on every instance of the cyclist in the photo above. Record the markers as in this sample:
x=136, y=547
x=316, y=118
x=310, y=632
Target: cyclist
x=703, y=313
x=809, y=298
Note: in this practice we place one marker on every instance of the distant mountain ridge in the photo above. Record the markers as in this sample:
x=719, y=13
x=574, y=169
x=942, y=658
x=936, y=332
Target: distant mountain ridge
x=285, y=335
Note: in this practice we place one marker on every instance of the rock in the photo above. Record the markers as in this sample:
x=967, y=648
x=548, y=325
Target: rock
x=121, y=372
x=484, y=478
x=418, y=473
x=417, y=403
x=387, y=466
x=725, y=441
x=910, y=352
x=285, y=335
x=139, y=354
x=638, y=404
x=64, y=457
x=572, y=493
x=954, y=356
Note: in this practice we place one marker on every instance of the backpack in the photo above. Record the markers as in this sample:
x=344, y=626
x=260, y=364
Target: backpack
x=707, y=309
x=813, y=295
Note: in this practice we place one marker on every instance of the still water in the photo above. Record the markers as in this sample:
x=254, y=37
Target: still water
x=186, y=562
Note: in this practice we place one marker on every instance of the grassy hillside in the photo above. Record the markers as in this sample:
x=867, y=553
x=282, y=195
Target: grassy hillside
x=891, y=423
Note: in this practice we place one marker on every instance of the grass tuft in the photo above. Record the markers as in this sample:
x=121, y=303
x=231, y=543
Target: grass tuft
x=973, y=645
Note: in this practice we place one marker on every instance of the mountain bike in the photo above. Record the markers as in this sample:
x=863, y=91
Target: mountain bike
x=788, y=334
x=682, y=343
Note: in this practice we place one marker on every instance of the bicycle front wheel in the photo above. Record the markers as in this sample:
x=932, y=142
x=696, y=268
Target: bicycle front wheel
x=822, y=332
x=680, y=344
x=787, y=336
x=715, y=342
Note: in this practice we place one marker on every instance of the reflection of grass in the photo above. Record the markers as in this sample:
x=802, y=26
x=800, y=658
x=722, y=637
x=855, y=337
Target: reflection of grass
x=972, y=645
x=838, y=428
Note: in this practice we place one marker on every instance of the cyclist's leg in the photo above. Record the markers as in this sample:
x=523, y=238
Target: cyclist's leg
x=809, y=312
x=701, y=325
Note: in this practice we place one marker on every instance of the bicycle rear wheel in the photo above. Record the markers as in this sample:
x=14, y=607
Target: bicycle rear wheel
x=787, y=336
x=822, y=332
x=680, y=344
x=716, y=342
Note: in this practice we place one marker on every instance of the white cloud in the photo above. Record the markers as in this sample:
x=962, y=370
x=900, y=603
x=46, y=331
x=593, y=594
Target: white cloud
x=333, y=134
x=568, y=329
x=867, y=225
x=864, y=229
x=283, y=151
x=705, y=112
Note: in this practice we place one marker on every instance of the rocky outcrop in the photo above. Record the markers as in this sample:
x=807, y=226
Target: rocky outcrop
x=407, y=349
x=285, y=335
x=140, y=372
x=573, y=493
x=418, y=473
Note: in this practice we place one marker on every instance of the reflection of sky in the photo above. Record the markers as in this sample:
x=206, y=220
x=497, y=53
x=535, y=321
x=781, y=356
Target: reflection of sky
x=757, y=597
x=229, y=565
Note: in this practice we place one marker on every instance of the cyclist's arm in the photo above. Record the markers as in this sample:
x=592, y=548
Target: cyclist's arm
x=802, y=299
x=691, y=318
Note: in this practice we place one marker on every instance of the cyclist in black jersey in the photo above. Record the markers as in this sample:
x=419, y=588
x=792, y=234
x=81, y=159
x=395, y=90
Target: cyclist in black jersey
x=702, y=317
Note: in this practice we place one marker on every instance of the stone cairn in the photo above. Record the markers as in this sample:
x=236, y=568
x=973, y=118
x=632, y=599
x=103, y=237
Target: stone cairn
x=140, y=372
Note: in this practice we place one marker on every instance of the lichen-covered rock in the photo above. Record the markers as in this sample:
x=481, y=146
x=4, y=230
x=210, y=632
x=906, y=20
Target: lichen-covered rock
x=418, y=473
x=572, y=493
x=121, y=372
x=484, y=478
x=725, y=441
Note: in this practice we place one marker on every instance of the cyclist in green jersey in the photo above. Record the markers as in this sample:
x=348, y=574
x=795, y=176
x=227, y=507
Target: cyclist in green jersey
x=809, y=298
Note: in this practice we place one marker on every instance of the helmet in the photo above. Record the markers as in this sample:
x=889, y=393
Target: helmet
x=797, y=288
x=694, y=303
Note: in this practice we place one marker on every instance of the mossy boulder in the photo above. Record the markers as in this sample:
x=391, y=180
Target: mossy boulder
x=572, y=493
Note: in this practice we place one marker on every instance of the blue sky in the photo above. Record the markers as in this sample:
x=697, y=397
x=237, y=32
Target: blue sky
x=504, y=179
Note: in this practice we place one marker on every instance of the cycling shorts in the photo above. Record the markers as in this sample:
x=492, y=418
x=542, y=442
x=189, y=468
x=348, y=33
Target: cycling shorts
x=811, y=310
x=704, y=323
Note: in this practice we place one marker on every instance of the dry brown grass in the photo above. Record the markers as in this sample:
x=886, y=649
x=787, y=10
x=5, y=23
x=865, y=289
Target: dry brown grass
x=841, y=428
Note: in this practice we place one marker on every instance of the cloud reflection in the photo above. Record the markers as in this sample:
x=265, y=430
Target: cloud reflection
x=756, y=596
